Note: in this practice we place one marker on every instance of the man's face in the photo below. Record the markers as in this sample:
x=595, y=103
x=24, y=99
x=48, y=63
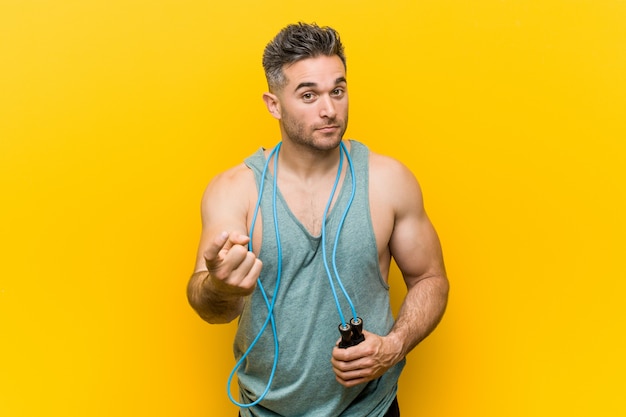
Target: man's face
x=313, y=105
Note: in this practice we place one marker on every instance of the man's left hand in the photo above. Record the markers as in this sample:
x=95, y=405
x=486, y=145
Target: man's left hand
x=366, y=361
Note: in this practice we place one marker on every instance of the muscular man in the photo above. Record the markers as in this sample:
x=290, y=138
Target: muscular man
x=331, y=216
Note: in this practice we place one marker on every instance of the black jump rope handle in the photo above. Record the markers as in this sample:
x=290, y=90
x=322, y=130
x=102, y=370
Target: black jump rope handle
x=351, y=334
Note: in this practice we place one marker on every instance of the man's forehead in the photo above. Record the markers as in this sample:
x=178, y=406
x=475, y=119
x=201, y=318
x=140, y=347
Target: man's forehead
x=326, y=69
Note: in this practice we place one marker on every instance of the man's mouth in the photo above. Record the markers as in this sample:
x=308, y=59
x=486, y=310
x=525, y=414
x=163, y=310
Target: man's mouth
x=329, y=128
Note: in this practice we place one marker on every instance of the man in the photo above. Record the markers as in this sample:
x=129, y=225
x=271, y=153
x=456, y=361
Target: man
x=325, y=217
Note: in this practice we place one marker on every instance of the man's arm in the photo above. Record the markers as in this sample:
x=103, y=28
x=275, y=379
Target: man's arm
x=415, y=247
x=417, y=251
x=225, y=271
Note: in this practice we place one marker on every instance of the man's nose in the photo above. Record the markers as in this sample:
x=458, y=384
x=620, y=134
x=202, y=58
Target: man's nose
x=327, y=107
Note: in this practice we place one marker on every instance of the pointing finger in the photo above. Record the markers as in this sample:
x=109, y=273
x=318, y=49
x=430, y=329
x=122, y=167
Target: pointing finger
x=212, y=252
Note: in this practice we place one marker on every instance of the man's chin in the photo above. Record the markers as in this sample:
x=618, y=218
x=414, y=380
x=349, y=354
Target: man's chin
x=328, y=143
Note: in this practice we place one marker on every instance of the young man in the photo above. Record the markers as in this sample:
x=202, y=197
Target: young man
x=331, y=216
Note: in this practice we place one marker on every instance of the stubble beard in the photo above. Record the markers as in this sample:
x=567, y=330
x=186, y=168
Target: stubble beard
x=310, y=137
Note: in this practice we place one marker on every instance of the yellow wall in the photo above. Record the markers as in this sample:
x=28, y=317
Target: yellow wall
x=115, y=114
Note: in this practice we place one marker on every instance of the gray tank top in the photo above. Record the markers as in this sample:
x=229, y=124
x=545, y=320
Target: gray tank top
x=305, y=312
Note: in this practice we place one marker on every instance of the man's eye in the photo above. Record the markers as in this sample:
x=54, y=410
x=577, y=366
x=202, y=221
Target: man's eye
x=337, y=92
x=307, y=96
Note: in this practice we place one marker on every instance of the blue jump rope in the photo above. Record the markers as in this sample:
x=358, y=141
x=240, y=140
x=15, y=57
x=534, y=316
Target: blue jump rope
x=351, y=334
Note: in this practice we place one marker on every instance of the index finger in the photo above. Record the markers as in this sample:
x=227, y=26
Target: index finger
x=212, y=251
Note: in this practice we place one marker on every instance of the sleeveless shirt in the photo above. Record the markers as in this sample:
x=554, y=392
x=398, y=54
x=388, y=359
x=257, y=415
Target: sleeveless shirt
x=305, y=311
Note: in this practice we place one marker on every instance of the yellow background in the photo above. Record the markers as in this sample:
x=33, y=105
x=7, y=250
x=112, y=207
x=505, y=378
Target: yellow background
x=115, y=114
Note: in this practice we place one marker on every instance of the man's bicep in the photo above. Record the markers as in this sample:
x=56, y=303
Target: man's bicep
x=414, y=244
x=223, y=209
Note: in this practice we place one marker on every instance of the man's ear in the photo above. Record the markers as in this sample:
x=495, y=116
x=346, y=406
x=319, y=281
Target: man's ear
x=272, y=104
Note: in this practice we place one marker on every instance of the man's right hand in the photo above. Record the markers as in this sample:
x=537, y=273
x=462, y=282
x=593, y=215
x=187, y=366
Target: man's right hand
x=233, y=269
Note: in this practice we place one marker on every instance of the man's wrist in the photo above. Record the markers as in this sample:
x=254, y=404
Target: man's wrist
x=218, y=293
x=396, y=348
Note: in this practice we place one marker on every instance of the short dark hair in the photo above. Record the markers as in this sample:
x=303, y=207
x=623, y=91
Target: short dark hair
x=297, y=42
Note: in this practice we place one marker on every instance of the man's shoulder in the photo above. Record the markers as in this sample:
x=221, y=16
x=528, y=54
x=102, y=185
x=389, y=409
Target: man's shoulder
x=235, y=180
x=234, y=173
x=392, y=179
x=385, y=165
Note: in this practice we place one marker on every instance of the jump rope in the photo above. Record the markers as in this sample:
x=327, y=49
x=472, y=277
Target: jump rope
x=352, y=332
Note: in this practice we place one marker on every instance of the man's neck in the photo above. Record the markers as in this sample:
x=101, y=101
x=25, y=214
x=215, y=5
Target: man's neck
x=307, y=164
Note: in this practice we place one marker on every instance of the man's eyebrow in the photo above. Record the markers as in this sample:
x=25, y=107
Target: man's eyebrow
x=305, y=85
x=338, y=81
